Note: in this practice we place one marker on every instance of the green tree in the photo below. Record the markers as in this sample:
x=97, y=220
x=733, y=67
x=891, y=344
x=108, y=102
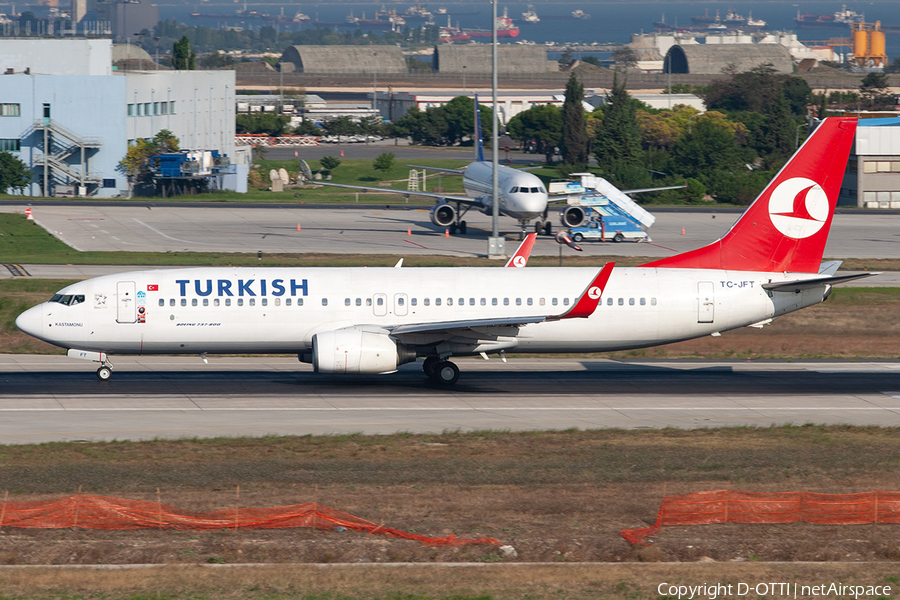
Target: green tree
x=340, y=127
x=625, y=57
x=574, y=131
x=183, y=58
x=136, y=163
x=268, y=123
x=618, y=142
x=329, y=163
x=216, y=60
x=542, y=123
x=446, y=125
x=14, y=174
x=384, y=163
x=591, y=60
x=758, y=90
x=875, y=91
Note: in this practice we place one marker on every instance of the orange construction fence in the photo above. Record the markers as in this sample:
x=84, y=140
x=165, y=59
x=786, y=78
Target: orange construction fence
x=100, y=512
x=732, y=506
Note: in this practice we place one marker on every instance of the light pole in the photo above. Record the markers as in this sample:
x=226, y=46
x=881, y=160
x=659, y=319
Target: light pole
x=464, y=78
x=156, y=39
x=797, y=137
x=374, y=79
x=140, y=56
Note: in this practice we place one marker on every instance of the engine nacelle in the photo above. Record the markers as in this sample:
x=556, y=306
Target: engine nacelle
x=443, y=215
x=358, y=351
x=573, y=216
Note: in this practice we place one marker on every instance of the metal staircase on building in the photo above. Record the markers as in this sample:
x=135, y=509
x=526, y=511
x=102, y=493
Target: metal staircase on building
x=59, y=146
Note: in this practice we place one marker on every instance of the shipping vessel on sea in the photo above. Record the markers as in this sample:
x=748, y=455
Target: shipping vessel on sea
x=839, y=19
x=732, y=22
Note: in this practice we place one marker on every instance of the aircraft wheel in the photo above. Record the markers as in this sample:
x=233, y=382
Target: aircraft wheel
x=453, y=229
x=104, y=373
x=446, y=372
x=577, y=237
x=462, y=228
x=429, y=366
x=538, y=227
x=548, y=228
x=618, y=238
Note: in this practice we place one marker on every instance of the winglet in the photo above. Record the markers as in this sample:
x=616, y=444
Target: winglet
x=590, y=297
x=479, y=142
x=520, y=258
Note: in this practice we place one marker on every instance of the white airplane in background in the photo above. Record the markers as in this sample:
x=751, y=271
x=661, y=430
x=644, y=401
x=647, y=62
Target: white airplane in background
x=371, y=320
x=521, y=195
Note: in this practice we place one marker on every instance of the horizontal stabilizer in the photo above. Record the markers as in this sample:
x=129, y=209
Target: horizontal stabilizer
x=804, y=284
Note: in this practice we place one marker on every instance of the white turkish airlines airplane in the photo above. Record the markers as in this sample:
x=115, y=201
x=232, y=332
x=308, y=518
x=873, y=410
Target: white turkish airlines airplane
x=371, y=320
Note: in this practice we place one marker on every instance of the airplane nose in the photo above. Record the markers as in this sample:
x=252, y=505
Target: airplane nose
x=31, y=321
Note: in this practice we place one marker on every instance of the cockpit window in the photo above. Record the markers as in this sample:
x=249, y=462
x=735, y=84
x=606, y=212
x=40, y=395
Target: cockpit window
x=543, y=191
x=68, y=299
x=535, y=190
x=514, y=189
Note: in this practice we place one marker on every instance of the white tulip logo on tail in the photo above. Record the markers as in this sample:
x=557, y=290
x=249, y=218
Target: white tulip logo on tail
x=798, y=207
x=594, y=293
x=519, y=261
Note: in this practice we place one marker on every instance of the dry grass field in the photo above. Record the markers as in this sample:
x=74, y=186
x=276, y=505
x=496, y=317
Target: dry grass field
x=557, y=497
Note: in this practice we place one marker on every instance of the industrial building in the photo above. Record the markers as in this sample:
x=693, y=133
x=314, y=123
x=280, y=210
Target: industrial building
x=475, y=59
x=71, y=119
x=330, y=60
x=393, y=106
x=872, y=179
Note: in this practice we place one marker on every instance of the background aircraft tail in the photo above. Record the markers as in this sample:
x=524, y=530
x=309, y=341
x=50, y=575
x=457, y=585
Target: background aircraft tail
x=479, y=141
x=786, y=227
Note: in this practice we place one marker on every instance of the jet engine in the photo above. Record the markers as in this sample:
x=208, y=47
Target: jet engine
x=358, y=351
x=443, y=215
x=573, y=216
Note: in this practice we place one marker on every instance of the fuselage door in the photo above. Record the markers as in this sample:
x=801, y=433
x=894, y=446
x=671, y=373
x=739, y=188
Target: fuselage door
x=380, y=305
x=706, y=302
x=400, y=305
x=126, y=304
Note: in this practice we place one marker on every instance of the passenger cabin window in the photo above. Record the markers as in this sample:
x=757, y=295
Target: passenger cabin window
x=437, y=301
x=346, y=301
x=609, y=301
x=449, y=301
x=621, y=301
x=368, y=302
x=162, y=302
x=506, y=302
x=184, y=301
x=287, y=301
x=379, y=301
x=529, y=302
x=206, y=302
x=324, y=301
x=565, y=301
x=171, y=301
x=193, y=302
x=652, y=301
x=299, y=301
x=240, y=301
x=215, y=302
x=400, y=301
x=227, y=301
x=631, y=302
x=518, y=302
x=413, y=301
x=426, y=301
x=252, y=302
x=359, y=301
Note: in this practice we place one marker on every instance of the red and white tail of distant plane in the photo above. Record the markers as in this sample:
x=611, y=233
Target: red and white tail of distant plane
x=371, y=320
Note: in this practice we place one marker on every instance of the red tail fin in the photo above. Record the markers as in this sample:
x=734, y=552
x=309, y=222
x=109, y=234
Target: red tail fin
x=786, y=227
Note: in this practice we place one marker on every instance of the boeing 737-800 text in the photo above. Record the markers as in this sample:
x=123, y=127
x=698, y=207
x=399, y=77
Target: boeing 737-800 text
x=371, y=320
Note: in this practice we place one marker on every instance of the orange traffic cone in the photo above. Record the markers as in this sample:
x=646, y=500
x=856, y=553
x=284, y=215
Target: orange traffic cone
x=342, y=153
x=408, y=231
x=682, y=231
x=446, y=233
x=298, y=226
x=28, y=216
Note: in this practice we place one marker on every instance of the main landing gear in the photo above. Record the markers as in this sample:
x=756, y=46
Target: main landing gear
x=441, y=371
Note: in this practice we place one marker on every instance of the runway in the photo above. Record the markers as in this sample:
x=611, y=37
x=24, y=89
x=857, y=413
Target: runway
x=400, y=230
x=51, y=398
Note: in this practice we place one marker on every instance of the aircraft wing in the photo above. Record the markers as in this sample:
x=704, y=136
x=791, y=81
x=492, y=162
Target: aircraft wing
x=583, y=307
x=457, y=171
x=446, y=197
x=565, y=198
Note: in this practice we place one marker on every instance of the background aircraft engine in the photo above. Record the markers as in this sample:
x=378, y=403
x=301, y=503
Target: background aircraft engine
x=357, y=351
x=443, y=215
x=573, y=216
